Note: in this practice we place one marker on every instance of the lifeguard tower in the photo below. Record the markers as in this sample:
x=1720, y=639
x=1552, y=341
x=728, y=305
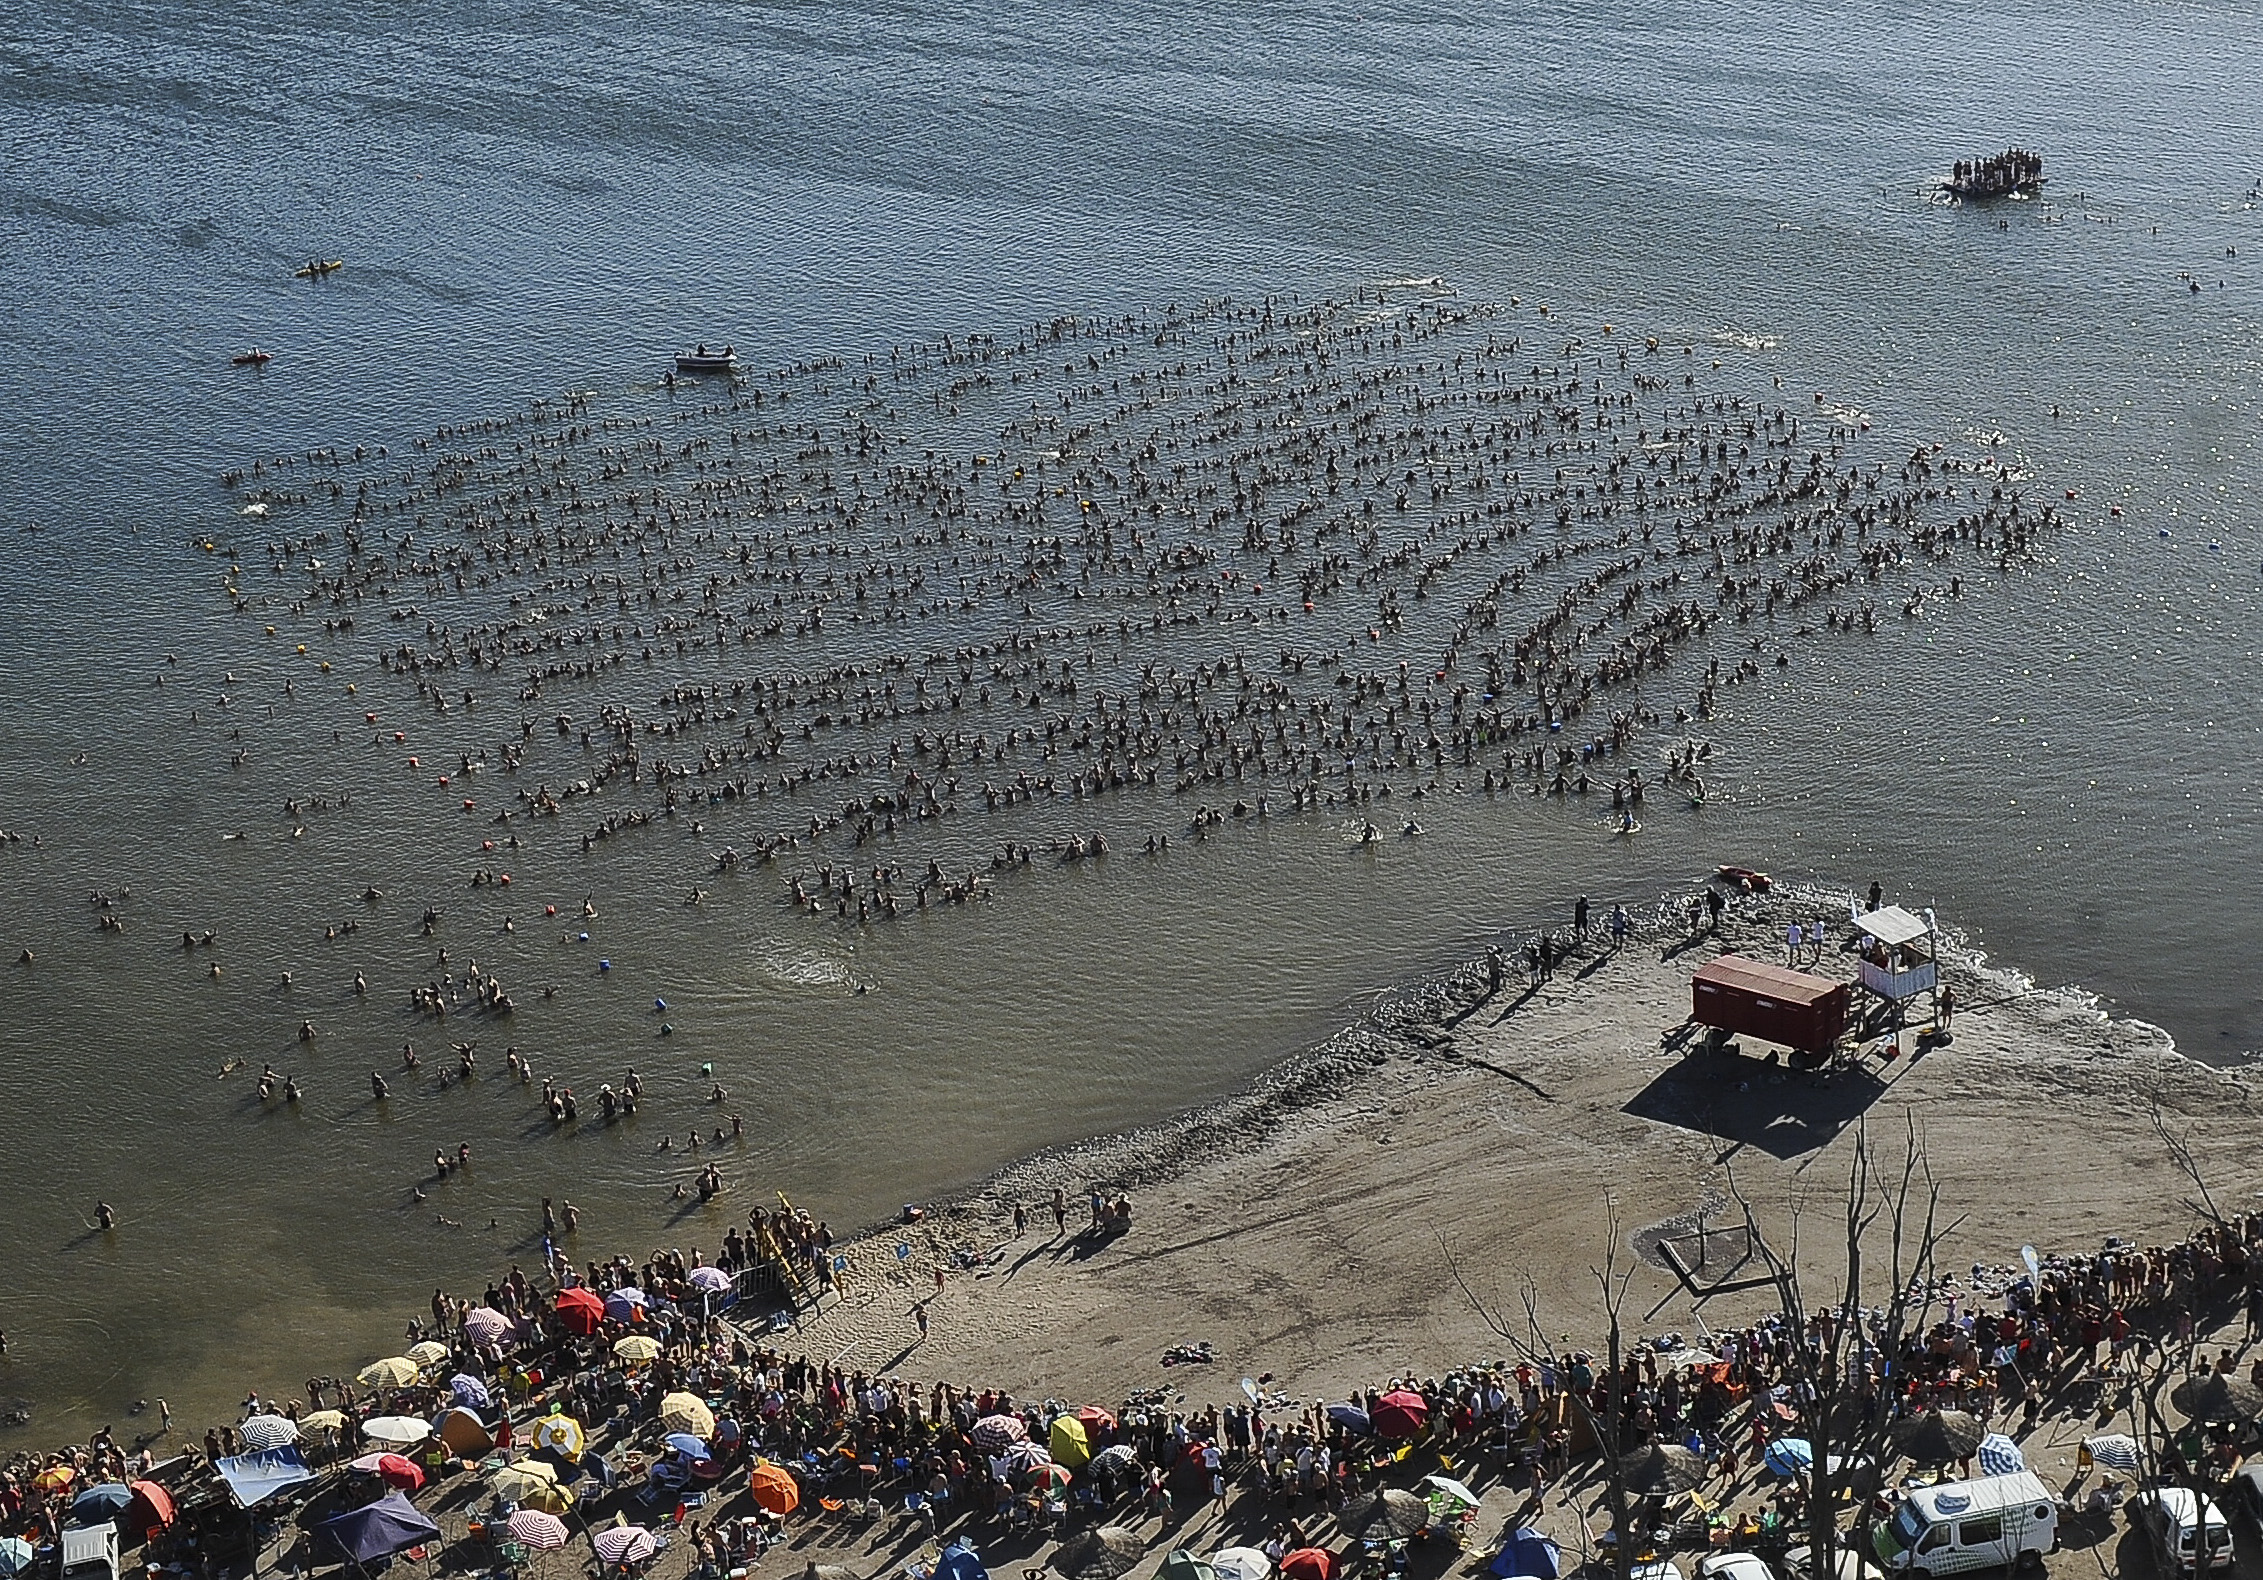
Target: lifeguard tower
x=1899, y=960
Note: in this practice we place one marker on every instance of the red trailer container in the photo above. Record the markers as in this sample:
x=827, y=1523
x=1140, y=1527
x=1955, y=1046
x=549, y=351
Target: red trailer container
x=1773, y=1003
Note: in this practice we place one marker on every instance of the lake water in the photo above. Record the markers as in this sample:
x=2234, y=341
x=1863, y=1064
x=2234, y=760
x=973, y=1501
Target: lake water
x=537, y=200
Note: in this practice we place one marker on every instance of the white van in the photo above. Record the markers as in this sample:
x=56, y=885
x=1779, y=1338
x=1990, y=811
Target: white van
x=1996, y=1522
x=91, y=1553
x=2191, y=1529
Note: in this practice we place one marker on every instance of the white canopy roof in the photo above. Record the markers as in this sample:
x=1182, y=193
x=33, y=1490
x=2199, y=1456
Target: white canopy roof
x=1892, y=926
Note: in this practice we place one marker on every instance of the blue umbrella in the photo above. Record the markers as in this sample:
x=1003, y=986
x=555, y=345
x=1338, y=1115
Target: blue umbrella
x=98, y=1504
x=1351, y=1418
x=1528, y=1555
x=15, y=1555
x=624, y=1305
x=2000, y=1456
x=1790, y=1456
x=688, y=1446
x=469, y=1391
x=960, y=1561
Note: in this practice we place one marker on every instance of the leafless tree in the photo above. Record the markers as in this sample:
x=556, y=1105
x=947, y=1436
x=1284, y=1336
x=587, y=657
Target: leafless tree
x=1844, y=1341
x=1525, y=1332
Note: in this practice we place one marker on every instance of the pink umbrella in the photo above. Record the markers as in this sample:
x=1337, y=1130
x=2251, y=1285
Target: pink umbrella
x=537, y=1531
x=624, y=1544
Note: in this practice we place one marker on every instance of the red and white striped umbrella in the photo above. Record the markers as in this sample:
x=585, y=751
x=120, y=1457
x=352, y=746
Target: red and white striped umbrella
x=537, y=1531
x=624, y=1544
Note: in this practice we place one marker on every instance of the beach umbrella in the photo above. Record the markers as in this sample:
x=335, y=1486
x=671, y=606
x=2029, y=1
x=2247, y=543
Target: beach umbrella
x=624, y=1544
x=99, y=1504
x=1309, y=1563
x=1101, y=1553
x=1400, y=1414
x=1025, y=1456
x=774, y=1487
x=515, y=1481
x=2115, y=1451
x=1119, y=1459
x=1097, y=1423
x=683, y=1412
x=263, y=1432
x=1789, y=1456
x=323, y=1421
x=486, y=1325
x=561, y=1434
x=626, y=1304
x=395, y=1371
x=1460, y=1492
x=1393, y=1509
x=1661, y=1469
x=637, y=1349
x=713, y=1280
x=469, y=1391
x=395, y=1471
x=2218, y=1397
x=536, y=1530
x=1183, y=1565
x=687, y=1445
x=1068, y=1443
x=15, y=1555
x=2000, y=1456
x=1241, y=1563
x=401, y=1431
x=993, y=1434
x=1528, y=1555
x=1049, y=1477
x=960, y=1561
x=581, y=1310
x=429, y=1353
x=151, y=1509
x=1940, y=1436
x=55, y=1478
x=1351, y=1418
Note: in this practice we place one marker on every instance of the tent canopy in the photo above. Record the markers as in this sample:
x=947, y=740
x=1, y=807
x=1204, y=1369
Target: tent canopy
x=1892, y=926
x=378, y=1530
x=254, y=1478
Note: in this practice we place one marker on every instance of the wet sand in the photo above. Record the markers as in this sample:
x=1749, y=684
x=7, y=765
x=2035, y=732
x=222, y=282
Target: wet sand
x=1302, y=1228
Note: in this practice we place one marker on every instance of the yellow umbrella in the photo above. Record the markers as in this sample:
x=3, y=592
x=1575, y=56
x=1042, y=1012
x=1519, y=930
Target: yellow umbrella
x=683, y=1412
x=55, y=1478
x=428, y=1353
x=524, y=1479
x=637, y=1348
x=323, y=1421
x=561, y=1434
x=1068, y=1443
x=396, y=1371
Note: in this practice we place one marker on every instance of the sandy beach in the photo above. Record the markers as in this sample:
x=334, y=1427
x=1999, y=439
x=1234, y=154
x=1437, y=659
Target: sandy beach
x=1303, y=1227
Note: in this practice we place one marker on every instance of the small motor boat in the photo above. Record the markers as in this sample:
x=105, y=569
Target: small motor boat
x=254, y=358
x=706, y=361
x=320, y=267
x=1744, y=880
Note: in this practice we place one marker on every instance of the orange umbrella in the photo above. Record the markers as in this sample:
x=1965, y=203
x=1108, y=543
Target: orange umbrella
x=55, y=1478
x=774, y=1487
x=152, y=1507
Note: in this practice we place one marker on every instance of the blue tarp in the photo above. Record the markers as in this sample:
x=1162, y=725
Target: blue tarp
x=1528, y=1553
x=377, y=1530
x=254, y=1478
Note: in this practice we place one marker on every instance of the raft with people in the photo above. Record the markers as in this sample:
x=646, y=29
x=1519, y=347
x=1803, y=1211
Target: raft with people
x=2014, y=173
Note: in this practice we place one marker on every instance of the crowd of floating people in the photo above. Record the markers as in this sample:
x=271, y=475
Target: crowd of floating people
x=1159, y=573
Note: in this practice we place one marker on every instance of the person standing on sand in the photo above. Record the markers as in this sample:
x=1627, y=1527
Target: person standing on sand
x=1948, y=1008
x=919, y=1315
x=1060, y=1211
x=1021, y=1219
x=1579, y=918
